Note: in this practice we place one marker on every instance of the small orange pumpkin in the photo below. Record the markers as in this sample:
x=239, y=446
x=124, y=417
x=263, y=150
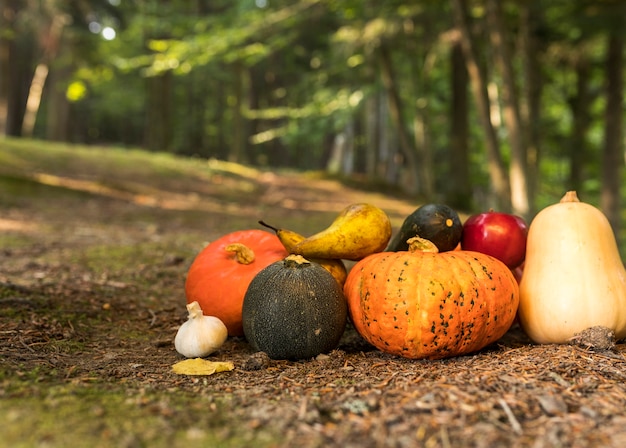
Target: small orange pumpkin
x=220, y=274
x=422, y=304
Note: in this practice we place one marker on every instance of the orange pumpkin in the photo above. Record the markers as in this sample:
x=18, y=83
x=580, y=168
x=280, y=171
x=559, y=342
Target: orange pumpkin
x=220, y=274
x=422, y=304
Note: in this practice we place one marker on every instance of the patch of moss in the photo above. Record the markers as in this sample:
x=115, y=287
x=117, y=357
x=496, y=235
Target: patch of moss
x=70, y=415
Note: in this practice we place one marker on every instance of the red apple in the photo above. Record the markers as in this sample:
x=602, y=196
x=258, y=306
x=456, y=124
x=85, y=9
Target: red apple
x=500, y=235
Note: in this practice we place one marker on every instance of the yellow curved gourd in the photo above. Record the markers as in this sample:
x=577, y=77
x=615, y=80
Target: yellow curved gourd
x=573, y=277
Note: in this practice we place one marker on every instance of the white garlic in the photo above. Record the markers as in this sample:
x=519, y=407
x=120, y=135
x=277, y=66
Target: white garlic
x=200, y=335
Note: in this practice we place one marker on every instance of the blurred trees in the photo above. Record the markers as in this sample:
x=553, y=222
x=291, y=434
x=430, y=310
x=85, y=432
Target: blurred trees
x=478, y=103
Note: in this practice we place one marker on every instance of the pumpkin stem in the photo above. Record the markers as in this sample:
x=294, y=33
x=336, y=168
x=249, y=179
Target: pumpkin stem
x=570, y=196
x=243, y=253
x=418, y=244
x=296, y=260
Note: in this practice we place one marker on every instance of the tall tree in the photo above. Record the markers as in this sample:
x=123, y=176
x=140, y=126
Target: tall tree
x=531, y=25
x=49, y=33
x=7, y=17
x=18, y=48
x=397, y=115
x=460, y=195
x=581, y=117
x=613, y=155
x=478, y=81
x=240, y=98
x=159, y=89
x=510, y=108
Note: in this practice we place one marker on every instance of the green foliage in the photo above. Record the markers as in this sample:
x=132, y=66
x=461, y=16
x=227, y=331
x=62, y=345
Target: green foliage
x=272, y=83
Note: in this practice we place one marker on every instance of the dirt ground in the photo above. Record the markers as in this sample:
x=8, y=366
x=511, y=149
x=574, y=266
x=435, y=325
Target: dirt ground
x=91, y=295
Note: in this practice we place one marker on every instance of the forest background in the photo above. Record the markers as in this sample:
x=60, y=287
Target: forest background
x=475, y=103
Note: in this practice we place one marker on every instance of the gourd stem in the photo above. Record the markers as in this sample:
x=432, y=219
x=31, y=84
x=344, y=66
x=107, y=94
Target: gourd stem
x=418, y=244
x=296, y=261
x=243, y=253
x=264, y=224
x=570, y=196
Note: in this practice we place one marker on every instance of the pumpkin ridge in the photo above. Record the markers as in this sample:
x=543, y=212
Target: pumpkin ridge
x=448, y=322
x=413, y=313
x=431, y=305
x=491, y=311
x=480, y=305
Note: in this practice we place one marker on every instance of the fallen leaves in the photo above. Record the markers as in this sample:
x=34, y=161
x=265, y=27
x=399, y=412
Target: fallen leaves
x=199, y=366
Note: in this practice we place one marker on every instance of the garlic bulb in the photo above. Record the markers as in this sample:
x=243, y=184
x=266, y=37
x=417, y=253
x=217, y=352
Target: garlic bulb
x=200, y=335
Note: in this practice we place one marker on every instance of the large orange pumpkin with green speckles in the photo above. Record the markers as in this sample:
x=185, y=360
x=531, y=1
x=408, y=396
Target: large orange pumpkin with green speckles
x=421, y=304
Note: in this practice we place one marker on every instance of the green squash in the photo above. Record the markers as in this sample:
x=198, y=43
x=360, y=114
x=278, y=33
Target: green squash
x=438, y=223
x=294, y=309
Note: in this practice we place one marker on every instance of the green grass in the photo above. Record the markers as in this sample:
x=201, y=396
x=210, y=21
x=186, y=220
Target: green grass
x=121, y=169
x=95, y=416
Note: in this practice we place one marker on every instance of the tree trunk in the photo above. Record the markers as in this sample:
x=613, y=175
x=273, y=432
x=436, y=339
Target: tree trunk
x=510, y=109
x=341, y=159
x=425, y=166
x=372, y=126
x=397, y=116
x=420, y=65
x=497, y=170
x=581, y=107
x=50, y=39
x=17, y=62
x=7, y=19
x=612, y=157
x=35, y=93
x=530, y=107
x=459, y=194
x=58, y=107
x=158, y=127
x=239, y=134
x=384, y=151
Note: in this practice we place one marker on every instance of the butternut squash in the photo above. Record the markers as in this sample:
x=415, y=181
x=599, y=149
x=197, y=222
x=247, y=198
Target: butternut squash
x=573, y=277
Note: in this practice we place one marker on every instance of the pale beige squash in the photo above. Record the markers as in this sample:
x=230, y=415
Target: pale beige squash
x=573, y=277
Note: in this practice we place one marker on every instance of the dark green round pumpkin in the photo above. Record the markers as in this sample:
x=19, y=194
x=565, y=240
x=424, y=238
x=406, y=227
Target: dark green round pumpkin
x=294, y=309
x=437, y=223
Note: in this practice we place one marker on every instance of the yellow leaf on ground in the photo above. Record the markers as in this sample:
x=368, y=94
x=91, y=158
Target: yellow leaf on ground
x=199, y=366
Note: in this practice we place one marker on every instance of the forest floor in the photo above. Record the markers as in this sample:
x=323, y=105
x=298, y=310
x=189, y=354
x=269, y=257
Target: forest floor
x=94, y=247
